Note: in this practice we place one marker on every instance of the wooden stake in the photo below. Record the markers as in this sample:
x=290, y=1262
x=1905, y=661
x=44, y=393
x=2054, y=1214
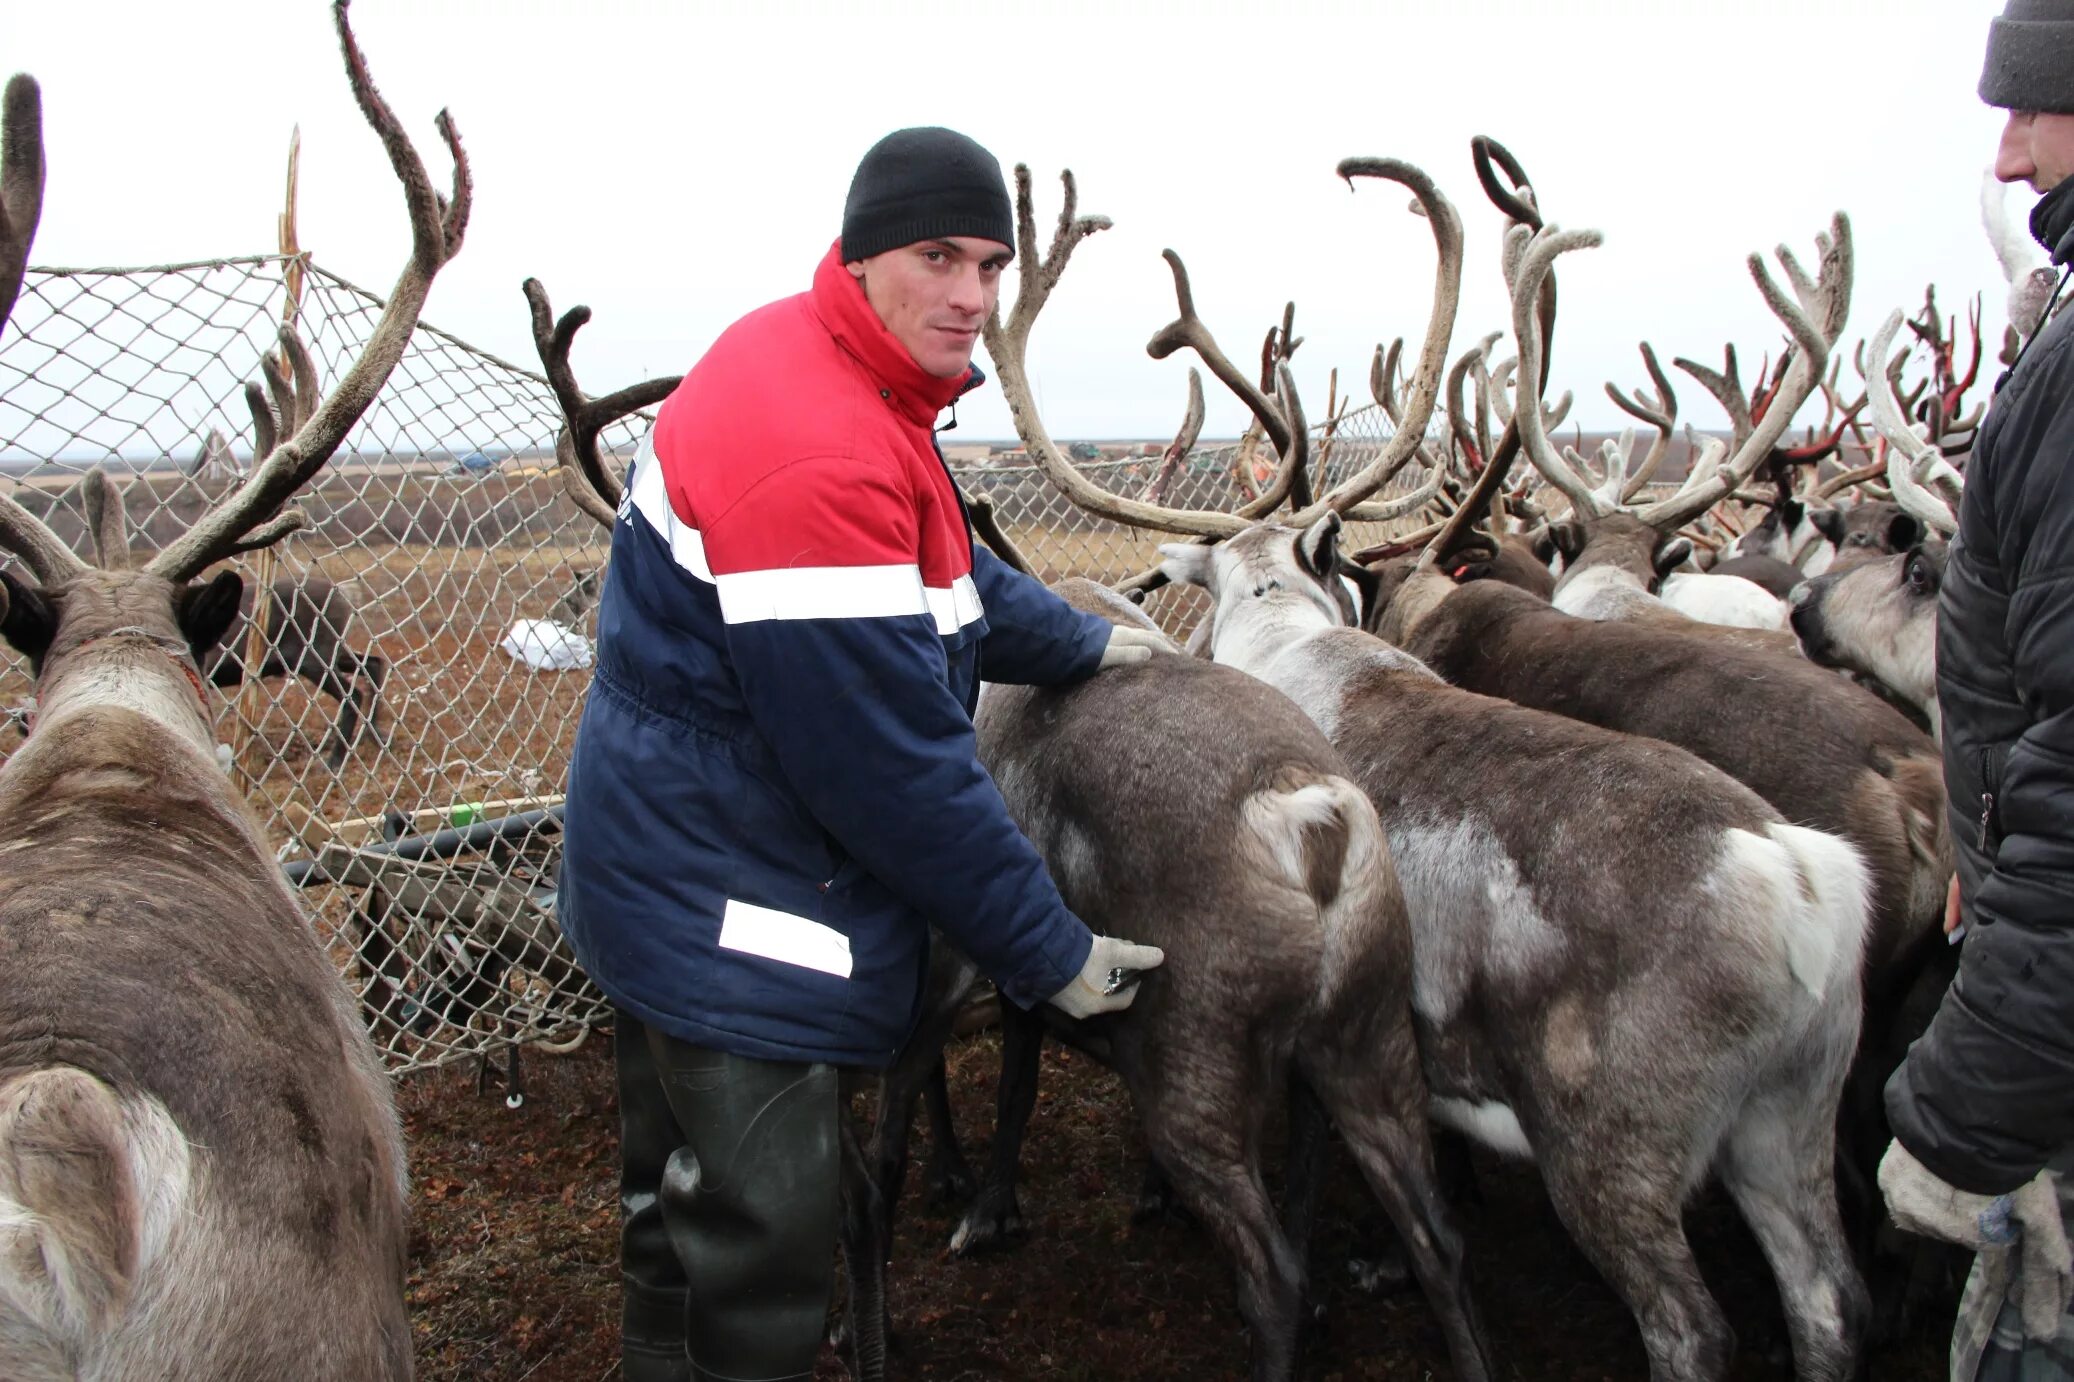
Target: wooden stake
x=291, y=306
x=244, y=733
x=244, y=729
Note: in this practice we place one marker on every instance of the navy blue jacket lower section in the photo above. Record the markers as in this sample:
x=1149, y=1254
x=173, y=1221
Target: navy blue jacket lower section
x=774, y=796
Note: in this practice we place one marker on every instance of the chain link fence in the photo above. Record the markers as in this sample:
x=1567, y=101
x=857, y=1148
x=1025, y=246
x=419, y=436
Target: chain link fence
x=425, y=638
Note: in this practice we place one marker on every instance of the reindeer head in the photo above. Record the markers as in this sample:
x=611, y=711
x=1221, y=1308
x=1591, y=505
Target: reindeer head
x=1865, y=531
x=1268, y=582
x=111, y=633
x=1620, y=541
x=1879, y=619
x=96, y=633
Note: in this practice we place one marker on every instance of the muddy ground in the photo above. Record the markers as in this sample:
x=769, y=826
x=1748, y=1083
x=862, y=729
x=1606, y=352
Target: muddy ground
x=513, y=1270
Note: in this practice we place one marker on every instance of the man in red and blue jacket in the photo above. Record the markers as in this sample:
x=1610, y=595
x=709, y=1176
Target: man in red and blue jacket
x=774, y=793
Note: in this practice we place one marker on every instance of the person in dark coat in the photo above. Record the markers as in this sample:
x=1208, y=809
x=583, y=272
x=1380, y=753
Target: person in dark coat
x=1983, y=1108
x=775, y=793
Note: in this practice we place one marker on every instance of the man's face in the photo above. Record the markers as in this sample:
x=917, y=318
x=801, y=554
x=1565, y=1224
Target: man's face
x=2036, y=148
x=934, y=296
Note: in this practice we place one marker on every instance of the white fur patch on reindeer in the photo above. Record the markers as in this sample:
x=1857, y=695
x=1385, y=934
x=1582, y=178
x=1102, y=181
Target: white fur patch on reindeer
x=1810, y=891
x=1493, y=1124
x=1471, y=913
x=1601, y=593
x=1729, y=600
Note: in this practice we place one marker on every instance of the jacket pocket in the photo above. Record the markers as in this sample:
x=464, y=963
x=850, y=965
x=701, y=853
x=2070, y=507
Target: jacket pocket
x=842, y=869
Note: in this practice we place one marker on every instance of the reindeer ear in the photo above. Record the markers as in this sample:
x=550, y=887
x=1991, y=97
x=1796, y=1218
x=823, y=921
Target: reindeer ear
x=1318, y=546
x=1903, y=532
x=27, y=620
x=205, y=611
x=1670, y=556
x=1829, y=523
x=1186, y=563
x=1364, y=584
x=1567, y=538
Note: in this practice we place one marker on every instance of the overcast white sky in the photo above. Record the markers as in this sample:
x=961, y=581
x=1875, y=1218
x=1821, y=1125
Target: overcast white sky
x=676, y=165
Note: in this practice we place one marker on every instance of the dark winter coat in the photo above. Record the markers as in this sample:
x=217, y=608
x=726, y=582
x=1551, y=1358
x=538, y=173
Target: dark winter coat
x=1986, y=1098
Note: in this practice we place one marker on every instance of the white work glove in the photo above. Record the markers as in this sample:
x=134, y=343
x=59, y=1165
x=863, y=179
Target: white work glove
x=1128, y=645
x=1092, y=991
x=2025, y=1222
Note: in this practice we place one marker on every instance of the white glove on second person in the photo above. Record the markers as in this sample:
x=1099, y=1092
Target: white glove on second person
x=1091, y=991
x=1128, y=645
x=2023, y=1230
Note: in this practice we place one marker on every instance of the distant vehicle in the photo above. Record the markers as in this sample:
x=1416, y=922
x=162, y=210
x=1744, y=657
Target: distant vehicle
x=476, y=463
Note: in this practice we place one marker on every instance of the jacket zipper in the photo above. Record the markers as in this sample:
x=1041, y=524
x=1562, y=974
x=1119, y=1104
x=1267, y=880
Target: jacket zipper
x=957, y=495
x=1990, y=779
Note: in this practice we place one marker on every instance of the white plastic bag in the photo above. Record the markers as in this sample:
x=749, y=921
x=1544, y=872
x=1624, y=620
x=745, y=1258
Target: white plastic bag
x=547, y=646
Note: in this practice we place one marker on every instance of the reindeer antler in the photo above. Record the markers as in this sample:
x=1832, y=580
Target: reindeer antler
x=1659, y=410
x=21, y=182
x=1521, y=207
x=1727, y=389
x=438, y=224
x=1913, y=462
x=21, y=206
x=591, y=487
x=1470, y=439
x=1008, y=345
x=1543, y=248
x=1176, y=454
x=1346, y=497
x=1822, y=448
x=1188, y=331
x=1518, y=202
x=1383, y=373
x=1814, y=315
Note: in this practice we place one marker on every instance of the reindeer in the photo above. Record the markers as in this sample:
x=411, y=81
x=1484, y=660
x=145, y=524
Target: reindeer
x=1283, y=913
x=1878, y=618
x=201, y=1171
x=307, y=621
x=579, y=599
x=1878, y=621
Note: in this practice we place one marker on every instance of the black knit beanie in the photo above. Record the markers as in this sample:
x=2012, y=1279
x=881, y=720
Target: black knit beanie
x=925, y=184
x=2031, y=57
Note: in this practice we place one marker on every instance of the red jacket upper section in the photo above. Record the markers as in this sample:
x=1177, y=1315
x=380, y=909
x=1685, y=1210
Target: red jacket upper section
x=856, y=476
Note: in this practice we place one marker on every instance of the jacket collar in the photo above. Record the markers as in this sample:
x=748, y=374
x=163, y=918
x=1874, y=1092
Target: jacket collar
x=914, y=392
x=2052, y=222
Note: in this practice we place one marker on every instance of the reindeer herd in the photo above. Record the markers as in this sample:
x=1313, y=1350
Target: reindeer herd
x=1609, y=836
